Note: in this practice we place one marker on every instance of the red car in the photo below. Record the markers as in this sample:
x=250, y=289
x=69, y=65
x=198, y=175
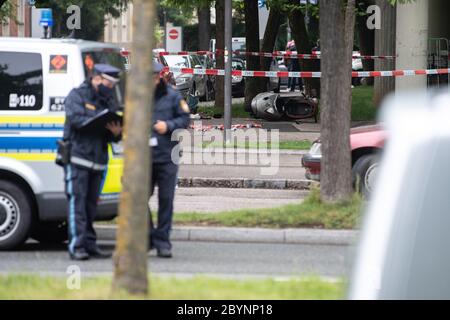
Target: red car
x=366, y=142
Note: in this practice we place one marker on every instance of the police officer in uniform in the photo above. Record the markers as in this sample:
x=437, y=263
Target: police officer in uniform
x=88, y=157
x=171, y=112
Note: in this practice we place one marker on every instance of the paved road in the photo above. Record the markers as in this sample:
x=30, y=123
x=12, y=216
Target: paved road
x=190, y=258
x=224, y=199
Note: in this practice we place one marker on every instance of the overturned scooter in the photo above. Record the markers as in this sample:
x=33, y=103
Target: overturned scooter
x=284, y=106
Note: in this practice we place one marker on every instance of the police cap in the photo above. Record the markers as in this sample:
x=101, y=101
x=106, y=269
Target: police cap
x=157, y=67
x=107, y=71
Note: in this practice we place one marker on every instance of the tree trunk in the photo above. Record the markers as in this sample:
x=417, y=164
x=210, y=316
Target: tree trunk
x=336, y=38
x=385, y=45
x=304, y=45
x=366, y=40
x=252, y=45
x=268, y=43
x=130, y=257
x=220, y=61
x=204, y=27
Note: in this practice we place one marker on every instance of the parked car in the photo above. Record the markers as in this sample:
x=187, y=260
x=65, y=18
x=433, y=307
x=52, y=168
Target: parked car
x=238, y=44
x=207, y=62
x=403, y=250
x=238, y=82
x=366, y=142
x=186, y=83
x=357, y=65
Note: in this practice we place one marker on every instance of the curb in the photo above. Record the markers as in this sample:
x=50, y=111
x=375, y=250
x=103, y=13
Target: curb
x=246, y=183
x=242, y=150
x=250, y=235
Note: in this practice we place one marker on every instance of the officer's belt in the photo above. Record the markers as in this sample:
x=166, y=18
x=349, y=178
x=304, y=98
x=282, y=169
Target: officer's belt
x=88, y=164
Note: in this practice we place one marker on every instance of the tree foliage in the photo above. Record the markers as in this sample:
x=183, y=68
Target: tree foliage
x=93, y=14
x=176, y=11
x=6, y=8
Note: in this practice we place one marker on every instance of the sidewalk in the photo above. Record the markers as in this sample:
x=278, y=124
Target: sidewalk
x=276, y=170
x=250, y=235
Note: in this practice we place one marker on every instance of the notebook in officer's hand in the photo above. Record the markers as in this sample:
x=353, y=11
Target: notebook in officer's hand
x=99, y=122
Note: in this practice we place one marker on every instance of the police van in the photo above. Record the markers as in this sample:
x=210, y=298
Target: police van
x=35, y=77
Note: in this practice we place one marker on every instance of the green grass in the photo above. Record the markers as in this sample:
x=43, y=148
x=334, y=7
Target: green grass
x=286, y=145
x=311, y=213
x=15, y=286
x=237, y=111
x=363, y=108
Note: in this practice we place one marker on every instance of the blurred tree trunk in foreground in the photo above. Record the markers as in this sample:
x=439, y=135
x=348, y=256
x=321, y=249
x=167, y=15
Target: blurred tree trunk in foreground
x=130, y=257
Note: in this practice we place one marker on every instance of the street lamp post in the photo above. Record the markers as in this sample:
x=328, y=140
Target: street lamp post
x=228, y=64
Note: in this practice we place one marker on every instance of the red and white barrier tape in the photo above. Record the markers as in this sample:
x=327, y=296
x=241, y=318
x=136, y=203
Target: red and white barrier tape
x=305, y=74
x=285, y=54
x=186, y=53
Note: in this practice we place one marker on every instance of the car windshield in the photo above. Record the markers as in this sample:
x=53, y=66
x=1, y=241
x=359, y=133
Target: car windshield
x=238, y=46
x=176, y=61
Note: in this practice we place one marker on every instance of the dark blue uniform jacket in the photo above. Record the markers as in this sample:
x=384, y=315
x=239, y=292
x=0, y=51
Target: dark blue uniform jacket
x=171, y=108
x=83, y=103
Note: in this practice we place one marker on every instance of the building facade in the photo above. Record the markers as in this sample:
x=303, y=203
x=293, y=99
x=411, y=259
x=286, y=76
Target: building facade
x=119, y=30
x=21, y=25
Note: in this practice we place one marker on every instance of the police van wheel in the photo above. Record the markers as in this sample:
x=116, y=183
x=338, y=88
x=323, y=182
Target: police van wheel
x=50, y=232
x=15, y=215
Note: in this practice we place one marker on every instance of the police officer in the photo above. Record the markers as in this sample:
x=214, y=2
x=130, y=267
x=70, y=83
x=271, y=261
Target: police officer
x=89, y=157
x=294, y=66
x=171, y=112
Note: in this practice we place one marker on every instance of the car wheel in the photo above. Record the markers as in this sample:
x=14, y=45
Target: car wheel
x=15, y=215
x=50, y=232
x=364, y=173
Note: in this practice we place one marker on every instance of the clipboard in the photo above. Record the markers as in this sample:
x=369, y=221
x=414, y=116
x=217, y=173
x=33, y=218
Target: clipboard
x=98, y=123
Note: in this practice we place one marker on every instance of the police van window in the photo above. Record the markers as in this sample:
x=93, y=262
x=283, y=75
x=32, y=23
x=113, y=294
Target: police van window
x=21, y=81
x=113, y=58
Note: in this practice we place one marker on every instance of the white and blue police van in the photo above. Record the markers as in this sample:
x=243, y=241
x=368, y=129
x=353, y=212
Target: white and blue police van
x=35, y=77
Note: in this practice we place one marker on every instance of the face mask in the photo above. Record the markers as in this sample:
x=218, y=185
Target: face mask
x=160, y=89
x=104, y=91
